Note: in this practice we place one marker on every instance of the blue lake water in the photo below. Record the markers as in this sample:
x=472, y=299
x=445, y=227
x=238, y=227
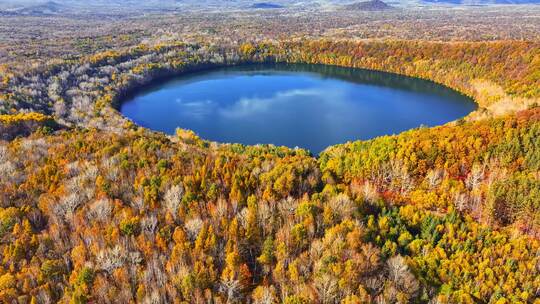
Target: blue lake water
x=309, y=106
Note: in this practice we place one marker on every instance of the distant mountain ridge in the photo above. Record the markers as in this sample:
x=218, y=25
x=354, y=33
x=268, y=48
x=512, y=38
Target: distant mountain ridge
x=46, y=8
x=372, y=5
x=482, y=2
x=59, y=7
x=266, y=5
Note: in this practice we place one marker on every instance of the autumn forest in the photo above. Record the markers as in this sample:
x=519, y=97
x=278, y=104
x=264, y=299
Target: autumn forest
x=95, y=208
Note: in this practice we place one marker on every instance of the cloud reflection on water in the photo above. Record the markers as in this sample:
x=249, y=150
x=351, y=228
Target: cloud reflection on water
x=294, y=108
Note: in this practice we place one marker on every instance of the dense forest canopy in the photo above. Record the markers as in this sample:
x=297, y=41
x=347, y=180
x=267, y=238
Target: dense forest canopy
x=94, y=209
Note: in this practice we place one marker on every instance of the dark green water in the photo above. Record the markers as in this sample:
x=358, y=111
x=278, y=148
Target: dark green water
x=309, y=106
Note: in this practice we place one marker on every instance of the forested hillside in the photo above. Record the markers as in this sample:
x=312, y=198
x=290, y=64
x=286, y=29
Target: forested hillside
x=501, y=76
x=88, y=215
x=94, y=209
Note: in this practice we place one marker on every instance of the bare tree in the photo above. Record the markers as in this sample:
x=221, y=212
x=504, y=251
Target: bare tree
x=193, y=226
x=67, y=205
x=327, y=288
x=8, y=169
x=475, y=177
x=394, y=175
x=111, y=259
x=461, y=201
x=173, y=197
x=100, y=210
x=341, y=204
x=149, y=225
x=401, y=276
x=231, y=289
x=370, y=192
x=434, y=177
x=4, y=154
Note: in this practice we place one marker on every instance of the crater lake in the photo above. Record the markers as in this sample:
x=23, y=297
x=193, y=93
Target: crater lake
x=309, y=106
